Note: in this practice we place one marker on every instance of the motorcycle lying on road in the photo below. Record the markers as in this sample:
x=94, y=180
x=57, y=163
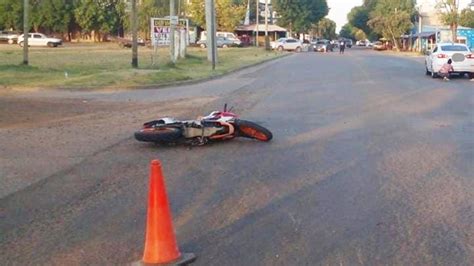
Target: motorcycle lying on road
x=218, y=125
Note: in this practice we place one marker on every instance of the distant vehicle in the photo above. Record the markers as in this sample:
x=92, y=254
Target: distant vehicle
x=245, y=40
x=287, y=44
x=379, y=46
x=348, y=43
x=39, y=39
x=221, y=42
x=322, y=46
x=9, y=36
x=361, y=43
x=222, y=34
x=462, y=57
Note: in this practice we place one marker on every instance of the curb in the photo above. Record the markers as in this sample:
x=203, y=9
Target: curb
x=158, y=86
x=201, y=80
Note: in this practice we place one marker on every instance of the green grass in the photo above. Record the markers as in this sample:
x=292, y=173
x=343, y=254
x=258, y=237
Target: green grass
x=96, y=66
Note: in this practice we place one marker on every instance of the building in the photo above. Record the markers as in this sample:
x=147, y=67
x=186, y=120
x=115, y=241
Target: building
x=274, y=32
x=429, y=29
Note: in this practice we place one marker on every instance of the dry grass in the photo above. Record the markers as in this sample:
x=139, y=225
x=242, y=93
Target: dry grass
x=95, y=66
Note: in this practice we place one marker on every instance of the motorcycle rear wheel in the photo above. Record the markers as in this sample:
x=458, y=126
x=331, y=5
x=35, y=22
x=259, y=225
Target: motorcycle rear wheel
x=159, y=135
x=251, y=130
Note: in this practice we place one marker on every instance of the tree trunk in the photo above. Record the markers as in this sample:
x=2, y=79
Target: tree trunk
x=395, y=43
x=454, y=32
x=394, y=40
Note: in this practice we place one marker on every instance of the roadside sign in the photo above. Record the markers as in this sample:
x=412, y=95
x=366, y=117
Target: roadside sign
x=174, y=20
x=161, y=29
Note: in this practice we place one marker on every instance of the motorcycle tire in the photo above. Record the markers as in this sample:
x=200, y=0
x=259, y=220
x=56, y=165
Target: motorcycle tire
x=159, y=135
x=251, y=130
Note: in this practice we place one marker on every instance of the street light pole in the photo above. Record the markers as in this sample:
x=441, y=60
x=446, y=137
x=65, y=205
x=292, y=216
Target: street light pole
x=26, y=30
x=420, y=28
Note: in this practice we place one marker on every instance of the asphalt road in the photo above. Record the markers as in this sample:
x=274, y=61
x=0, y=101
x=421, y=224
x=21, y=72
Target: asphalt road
x=372, y=162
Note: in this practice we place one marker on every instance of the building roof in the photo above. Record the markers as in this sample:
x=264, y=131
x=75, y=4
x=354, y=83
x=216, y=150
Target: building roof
x=425, y=34
x=261, y=28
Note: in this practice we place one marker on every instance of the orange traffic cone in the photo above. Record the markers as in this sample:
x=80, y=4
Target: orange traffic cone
x=160, y=241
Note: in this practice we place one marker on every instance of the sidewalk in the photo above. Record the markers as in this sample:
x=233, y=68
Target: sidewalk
x=404, y=53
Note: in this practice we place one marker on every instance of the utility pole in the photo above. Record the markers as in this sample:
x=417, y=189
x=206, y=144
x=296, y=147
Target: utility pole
x=211, y=32
x=267, y=40
x=26, y=30
x=420, y=28
x=256, y=23
x=134, y=35
x=455, y=29
x=172, y=28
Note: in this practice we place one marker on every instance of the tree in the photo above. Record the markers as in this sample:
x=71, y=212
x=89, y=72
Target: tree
x=11, y=14
x=392, y=18
x=346, y=31
x=300, y=15
x=100, y=17
x=196, y=10
x=325, y=28
x=359, y=34
x=358, y=17
x=449, y=14
x=466, y=18
x=146, y=10
x=370, y=4
x=53, y=15
x=228, y=13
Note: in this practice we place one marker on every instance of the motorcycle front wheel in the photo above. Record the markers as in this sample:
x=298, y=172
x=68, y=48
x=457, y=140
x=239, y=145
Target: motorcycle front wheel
x=159, y=135
x=251, y=130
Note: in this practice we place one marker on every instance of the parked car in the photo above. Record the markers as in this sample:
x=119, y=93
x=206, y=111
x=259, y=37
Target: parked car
x=221, y=42
x=39, y=39
x=287, y=44
x=361, y=43
x=379, y=46
x=462, y=59
x=222, y=34
x=9, y=36
x=322, y=46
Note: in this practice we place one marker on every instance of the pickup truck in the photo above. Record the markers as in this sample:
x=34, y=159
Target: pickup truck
x=9, y=36
x=39, y=39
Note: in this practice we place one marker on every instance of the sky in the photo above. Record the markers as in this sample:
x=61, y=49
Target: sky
x=340, y=8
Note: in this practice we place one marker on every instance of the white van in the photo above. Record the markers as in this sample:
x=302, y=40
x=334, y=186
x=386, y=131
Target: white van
x=228, y=35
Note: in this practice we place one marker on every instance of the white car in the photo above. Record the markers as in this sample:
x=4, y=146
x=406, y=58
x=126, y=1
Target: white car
x=222, y=34
x=39, y=39
x=462, y=59
x=9, y=36
x=287, y=44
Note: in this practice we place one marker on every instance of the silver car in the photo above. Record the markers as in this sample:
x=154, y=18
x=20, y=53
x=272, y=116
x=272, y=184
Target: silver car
x=287, y=44
x=221, y=42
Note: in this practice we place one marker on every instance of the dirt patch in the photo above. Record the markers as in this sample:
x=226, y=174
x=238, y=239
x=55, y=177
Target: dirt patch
x=16, y=112
x=40, y=137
